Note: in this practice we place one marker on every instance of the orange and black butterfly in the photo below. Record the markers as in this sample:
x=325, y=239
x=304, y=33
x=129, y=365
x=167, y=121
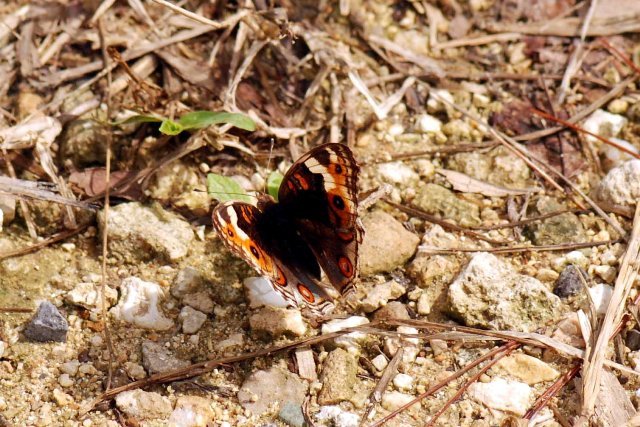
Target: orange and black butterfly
x=313, y=228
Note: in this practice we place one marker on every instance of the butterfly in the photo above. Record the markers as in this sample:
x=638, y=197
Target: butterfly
x=313, y=229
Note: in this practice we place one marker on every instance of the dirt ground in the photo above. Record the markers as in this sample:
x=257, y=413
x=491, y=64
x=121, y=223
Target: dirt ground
x=499, y=173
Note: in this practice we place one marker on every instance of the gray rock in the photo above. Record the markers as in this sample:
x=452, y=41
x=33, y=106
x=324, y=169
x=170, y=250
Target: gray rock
x=143, y=405
x=187, y=281
x=569, y=282
x=263, y=388
x=437, y=200
x=47, y=324
x=387, y=244
x=633, y=340
x=291, y=414
x=621, y=185
x=563, y=228
x=339, y=380
x=141, y=233
x=201, y=301
x=192, y=320
x=275, y=322
x=393, y=310
x=380, y=294
x=157, y=358
x=490, y=294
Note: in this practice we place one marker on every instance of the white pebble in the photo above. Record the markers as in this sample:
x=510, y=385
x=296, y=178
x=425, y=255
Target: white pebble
x=380, y=362
x=603, y=123
x=70, y=368
x=428, y=124
x=503, y=395
x=192, y=320
x=3, y=347
x=403, y=382
x=350, y=342
x=96, y=341
x=65, y=380
x=261, y=293
x=394, y=399
x=139, y=305
x=577, y=258
x=397, y=173
x=396, y=129
x=601, y=295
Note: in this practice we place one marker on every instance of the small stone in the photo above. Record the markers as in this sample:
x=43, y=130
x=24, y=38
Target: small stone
x=559, y=229
x=47, y=324
x=393, y=310
x=386, y=245
x=187, y=281
x=70, y=368
x=477, y=296
x=192, y=320
x=156, y=358
x=601, y=295
x=503, y=395
x=234, y=341
x=606, y=272
x=192, y=411
x=143, y=405
x=138, y=305
x=276, y=322
x=338, y=416
x=428, y=124
x=380, y=362
x=380, y=294
x=261, y=293
x=291, y=414
x=604, y=124
x=3, y=348
x=264, y=388
x=397, y=173
x=393, y=400
x=577, y=258
x=339, y=378
x=633, y=340
x=65, y=380
x=96, y=341
x=568, y=331
x=135, y=370
x=138, y=232
x=438, y=346
x=201, y=301
x=396, y=129
x=569, y=282
x=527, y=369
x=403, y=382
x=424, y=304
x=89, y=295
x=351, y=341
x=618, y=106
x=621, y=185
x=62, y=398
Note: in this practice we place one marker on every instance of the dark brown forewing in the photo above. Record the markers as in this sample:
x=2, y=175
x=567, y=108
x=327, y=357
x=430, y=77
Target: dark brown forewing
x=235, y=224
x=320, y=191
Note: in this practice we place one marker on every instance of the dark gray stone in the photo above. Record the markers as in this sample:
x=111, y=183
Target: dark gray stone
x=569, y=282
x=291, y=414
x=633, y=340
x=47, y=325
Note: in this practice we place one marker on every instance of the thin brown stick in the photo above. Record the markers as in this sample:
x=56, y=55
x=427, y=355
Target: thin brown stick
x=419, y=213
x=544, y=398
x=376, y=394
x=46, y=242
x=15, y=310
x=438, y=386
x=514, y=249
x=505, y=351
x=530, y=220
x=460, y=148
x=105, y=230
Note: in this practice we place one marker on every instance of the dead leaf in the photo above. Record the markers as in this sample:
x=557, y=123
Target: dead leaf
x=92, y=182
x=466, y=184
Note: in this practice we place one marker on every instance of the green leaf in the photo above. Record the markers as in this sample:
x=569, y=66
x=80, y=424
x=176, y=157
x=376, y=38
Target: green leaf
x=139, y=118
x=202, y=119
x=169, y=127
x=225, y=189
x=273, y=183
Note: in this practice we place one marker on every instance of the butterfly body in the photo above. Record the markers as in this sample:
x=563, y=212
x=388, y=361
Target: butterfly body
x=313, y=228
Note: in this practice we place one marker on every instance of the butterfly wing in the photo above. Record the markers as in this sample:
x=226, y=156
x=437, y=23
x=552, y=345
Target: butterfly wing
x=320, y=191
x=235, y=223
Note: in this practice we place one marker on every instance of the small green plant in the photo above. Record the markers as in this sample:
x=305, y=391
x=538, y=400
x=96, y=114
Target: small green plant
x=194, y=120
x=225, y=189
